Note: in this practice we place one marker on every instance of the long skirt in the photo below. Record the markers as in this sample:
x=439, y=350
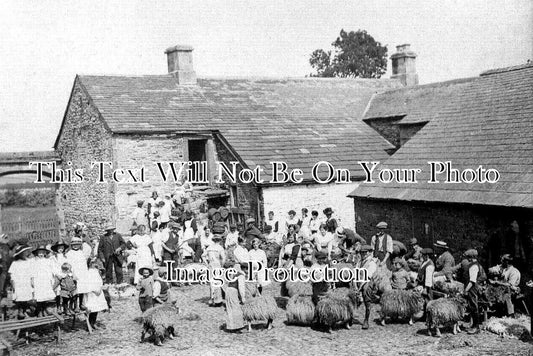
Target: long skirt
x=234, y=316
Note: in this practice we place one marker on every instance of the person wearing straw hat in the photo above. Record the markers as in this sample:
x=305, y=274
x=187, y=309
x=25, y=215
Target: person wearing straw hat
x=44, y=281
x=21, y=275
x=145, y=288
x=445, y=262
x=110, y=250
x=76, y=258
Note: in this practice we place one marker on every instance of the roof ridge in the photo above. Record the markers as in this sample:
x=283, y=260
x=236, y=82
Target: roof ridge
x=526, y=65
x=435, y=84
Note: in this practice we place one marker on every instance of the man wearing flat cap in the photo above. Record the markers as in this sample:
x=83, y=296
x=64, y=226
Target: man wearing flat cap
x=473, y=290
x=509, y=276
x=382, y=245
x=110, y=250
x=331, y=222
x=320, y=287
x=368, y=289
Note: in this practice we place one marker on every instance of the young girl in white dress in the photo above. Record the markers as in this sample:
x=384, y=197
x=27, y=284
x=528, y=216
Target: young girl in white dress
x=44, y=281
x=20, y=273
x=76, y=258
x=143, y=245
x=95, y=299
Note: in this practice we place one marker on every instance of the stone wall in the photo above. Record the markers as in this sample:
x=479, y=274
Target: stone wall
x=85, y=139
x=387, y=128
x=134, y=152
x=461, y=226
x=248, y=196
x=313, y=197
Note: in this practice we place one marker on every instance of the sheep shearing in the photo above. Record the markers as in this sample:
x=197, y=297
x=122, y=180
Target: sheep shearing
x=445, y=311
x=400, y=304
x=300, y=310
x=160, y=321
x=337, y=307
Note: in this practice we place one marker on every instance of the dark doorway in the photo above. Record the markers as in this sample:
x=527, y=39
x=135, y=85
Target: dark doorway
x=197, y=155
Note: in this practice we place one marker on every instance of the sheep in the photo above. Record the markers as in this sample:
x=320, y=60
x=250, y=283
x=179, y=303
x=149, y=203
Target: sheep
x=300, y=310
x=450, y=288
x=445, y=311
x=337, y=307
x=160, y=321
x=259, y=307
x=401, y=304
x=291, y=289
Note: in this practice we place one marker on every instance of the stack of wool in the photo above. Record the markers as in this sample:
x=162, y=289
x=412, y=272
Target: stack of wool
x=510, y=327
x=401, y=304
x=257, y=306
x=300, y=310
x=450, y=288
x=291, y=289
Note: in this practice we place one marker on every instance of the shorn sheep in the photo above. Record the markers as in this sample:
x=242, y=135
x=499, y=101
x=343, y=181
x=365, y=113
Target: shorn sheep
x=400, y=304
x=443, y=312
x=337, y=308
x=300, y=310
x=160, y=322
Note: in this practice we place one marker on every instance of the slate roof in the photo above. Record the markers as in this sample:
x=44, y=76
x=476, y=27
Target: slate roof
x=299, y=121
x=416, y=104
x=491, y=124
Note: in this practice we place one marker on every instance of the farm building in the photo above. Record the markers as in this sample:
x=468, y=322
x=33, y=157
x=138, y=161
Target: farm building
x=136, y=121
x=483, y=121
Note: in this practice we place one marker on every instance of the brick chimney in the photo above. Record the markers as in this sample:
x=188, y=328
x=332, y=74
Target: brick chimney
x=179, y=60
x=403, y=65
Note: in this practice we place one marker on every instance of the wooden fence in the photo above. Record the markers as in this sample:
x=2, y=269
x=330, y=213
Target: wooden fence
x=35, y=227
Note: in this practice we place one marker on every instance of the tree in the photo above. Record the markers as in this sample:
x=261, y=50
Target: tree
x=356, y=55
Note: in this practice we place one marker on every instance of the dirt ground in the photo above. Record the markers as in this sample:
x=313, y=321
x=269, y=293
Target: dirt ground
x=201, y=332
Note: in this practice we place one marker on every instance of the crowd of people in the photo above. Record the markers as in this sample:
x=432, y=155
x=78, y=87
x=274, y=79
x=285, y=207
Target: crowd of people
x=73, y=277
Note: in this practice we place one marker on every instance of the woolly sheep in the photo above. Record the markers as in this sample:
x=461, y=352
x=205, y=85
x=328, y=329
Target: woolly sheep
x=160, y=321
x=337, y=307
x=445, y=311
x=300, y=310
x=400, y=304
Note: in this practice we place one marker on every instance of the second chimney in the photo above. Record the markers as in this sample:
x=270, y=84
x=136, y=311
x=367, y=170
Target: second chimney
x=179, y=60
x=403, y=65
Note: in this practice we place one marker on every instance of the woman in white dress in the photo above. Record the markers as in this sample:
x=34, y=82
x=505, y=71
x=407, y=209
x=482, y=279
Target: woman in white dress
x=95, y=299
x=143, y=245
x=77, y=260
x=323, y=240
x=189, y=231
x=215, y=257
x=258, y=256
x=43, y=281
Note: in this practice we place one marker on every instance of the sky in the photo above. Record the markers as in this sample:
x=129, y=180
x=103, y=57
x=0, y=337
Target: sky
x=44, y=44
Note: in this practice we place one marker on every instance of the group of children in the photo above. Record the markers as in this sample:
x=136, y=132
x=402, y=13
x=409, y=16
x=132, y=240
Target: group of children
x=152, y=290
x=59, y=278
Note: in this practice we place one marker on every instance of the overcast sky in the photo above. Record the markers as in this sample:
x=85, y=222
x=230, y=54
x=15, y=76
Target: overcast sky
x=44, y=44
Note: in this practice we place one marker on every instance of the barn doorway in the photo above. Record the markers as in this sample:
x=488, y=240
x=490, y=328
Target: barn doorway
x=198, y=155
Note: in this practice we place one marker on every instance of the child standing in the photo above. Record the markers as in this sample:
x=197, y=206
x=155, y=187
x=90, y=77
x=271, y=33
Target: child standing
x=94, y=300
x=44, y=281
x=68, y=288
x=146, y=288
x=20, y=273
x=400, y=276
x=161, y=287
x=57, y=260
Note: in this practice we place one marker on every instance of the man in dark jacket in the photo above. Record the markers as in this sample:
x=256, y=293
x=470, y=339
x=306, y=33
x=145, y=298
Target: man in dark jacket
x=110, y=253
x=251, y=233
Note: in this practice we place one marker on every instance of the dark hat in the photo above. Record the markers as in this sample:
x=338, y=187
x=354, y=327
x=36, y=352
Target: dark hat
x=151, y=271
x=292, y=212
x=471, y=253
x=365, y=248
x=507, y=257
x=140, y=202
x=427, y=251
x=40, y=248
x=441, y=244
x=382, y=225
x=321, y=255
x=58, y=245
x=328, y=211
x=20, y=249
